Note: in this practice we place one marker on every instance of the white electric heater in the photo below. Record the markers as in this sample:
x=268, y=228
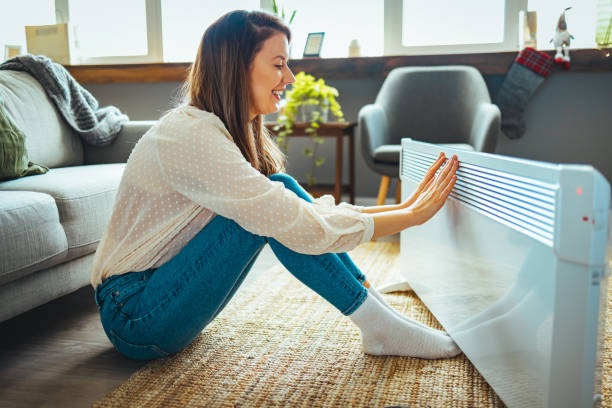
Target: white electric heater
x=514, y=267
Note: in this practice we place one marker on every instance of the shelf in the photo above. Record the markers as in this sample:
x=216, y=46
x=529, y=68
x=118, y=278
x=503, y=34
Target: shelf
x=583, y=60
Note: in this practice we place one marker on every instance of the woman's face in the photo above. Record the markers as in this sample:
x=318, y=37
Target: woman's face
x=269, y=75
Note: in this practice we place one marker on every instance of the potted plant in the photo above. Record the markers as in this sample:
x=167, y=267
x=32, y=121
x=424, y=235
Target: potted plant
x=281, y=14
x=309, y=100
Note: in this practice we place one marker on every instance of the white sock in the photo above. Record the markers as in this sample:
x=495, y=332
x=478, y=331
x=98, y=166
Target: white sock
x=383, y=333
x=381, y=299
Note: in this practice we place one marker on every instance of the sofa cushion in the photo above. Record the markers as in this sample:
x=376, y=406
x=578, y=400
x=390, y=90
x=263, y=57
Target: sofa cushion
x=31, y=233
x=387, y=154
x=84, y=196
x=49, y=140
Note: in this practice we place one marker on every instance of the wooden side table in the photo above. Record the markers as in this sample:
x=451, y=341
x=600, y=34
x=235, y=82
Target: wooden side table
x=337, y=130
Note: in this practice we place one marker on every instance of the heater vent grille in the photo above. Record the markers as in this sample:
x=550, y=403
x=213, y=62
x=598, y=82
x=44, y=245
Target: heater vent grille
x=522, y=203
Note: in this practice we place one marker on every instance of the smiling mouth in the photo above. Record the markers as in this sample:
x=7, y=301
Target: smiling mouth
x=277, y=94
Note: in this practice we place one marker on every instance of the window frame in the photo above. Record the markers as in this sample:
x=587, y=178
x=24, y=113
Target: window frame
x=393, y=10
x=154, y=37
x=393, y=13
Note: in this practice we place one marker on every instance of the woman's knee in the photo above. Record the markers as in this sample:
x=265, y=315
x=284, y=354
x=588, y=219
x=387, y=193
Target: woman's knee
x=291, y=184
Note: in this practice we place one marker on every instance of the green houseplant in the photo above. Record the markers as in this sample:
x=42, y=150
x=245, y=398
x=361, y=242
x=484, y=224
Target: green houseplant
x=309, y=100
x=281, y=14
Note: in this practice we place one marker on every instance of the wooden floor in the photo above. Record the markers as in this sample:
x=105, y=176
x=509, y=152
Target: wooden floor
x=57, y=355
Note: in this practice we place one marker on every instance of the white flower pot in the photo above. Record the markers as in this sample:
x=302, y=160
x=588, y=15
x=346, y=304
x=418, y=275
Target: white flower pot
x=305, y=112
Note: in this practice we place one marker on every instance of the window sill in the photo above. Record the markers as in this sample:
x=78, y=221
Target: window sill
x=583, y=60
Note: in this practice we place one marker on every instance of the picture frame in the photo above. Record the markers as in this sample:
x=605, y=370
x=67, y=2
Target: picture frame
x=314, y=43
x=11, y=51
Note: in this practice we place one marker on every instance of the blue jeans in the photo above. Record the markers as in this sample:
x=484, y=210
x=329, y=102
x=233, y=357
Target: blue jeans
x=157, y=312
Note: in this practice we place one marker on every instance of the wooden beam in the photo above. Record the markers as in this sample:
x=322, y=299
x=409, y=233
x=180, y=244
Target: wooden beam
x=584, y=60
x=122, y=73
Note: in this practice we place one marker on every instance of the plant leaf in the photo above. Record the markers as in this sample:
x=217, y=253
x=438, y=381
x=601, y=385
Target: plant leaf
x=311, y=179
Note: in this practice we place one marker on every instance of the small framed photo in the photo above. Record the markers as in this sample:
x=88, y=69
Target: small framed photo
x=314, y=43
x=11, y=51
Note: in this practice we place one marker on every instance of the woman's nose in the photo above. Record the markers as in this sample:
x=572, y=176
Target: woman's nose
x=289, y=78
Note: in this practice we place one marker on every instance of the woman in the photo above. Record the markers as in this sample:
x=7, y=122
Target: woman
x=203, y=192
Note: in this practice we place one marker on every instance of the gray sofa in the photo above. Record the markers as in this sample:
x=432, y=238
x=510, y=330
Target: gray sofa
x=50, y=224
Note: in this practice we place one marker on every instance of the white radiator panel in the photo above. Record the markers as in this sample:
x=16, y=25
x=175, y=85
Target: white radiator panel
x=512, y=267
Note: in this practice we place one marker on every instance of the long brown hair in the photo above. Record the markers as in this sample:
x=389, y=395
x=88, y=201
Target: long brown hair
x=218, y=82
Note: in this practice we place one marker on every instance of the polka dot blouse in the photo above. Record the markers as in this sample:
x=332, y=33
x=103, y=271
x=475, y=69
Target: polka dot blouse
x=184, y=171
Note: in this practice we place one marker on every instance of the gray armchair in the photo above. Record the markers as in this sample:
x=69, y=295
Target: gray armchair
x=448, y=105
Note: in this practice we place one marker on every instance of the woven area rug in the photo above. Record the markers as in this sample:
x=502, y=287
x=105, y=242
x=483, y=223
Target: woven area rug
x=279, y=344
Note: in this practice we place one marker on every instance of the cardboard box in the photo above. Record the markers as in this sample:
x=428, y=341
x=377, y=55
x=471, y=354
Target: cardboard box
x=50, y=40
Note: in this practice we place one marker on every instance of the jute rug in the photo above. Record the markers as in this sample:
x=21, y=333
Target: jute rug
x=278, y=344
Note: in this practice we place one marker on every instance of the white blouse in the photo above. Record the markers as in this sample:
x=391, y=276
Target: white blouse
x=184, y=171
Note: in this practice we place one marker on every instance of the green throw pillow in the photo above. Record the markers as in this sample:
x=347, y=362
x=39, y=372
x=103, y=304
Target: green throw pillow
x=13, y=154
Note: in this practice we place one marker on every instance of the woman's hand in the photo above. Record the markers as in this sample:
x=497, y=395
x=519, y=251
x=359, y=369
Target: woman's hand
x=432, y=192
x=428, y=198
x=429, y=176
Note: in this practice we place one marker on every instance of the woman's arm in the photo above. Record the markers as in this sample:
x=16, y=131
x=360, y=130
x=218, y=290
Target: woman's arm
x=421, y=207
x=381, y=208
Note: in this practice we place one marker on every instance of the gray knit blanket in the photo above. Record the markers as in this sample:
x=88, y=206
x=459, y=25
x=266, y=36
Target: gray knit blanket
x=97, y=126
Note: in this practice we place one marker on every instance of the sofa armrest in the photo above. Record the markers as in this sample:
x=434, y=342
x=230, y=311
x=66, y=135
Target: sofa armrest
x=119, y=150
x=486, y=127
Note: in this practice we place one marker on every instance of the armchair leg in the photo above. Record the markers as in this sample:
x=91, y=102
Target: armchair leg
x=398, y=192
x=382, y=190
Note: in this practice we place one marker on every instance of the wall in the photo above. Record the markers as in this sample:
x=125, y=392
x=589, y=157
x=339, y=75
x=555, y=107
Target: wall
x=569, y=119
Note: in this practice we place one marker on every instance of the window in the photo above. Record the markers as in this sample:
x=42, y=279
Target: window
x=449, y=22
x=132, y=31
x=182, y=31
x=113, y=31
x=341, y=21
x=22, y=13
x=581, y=21
x=449, y=26
x=184, y=23
x=101, y=31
